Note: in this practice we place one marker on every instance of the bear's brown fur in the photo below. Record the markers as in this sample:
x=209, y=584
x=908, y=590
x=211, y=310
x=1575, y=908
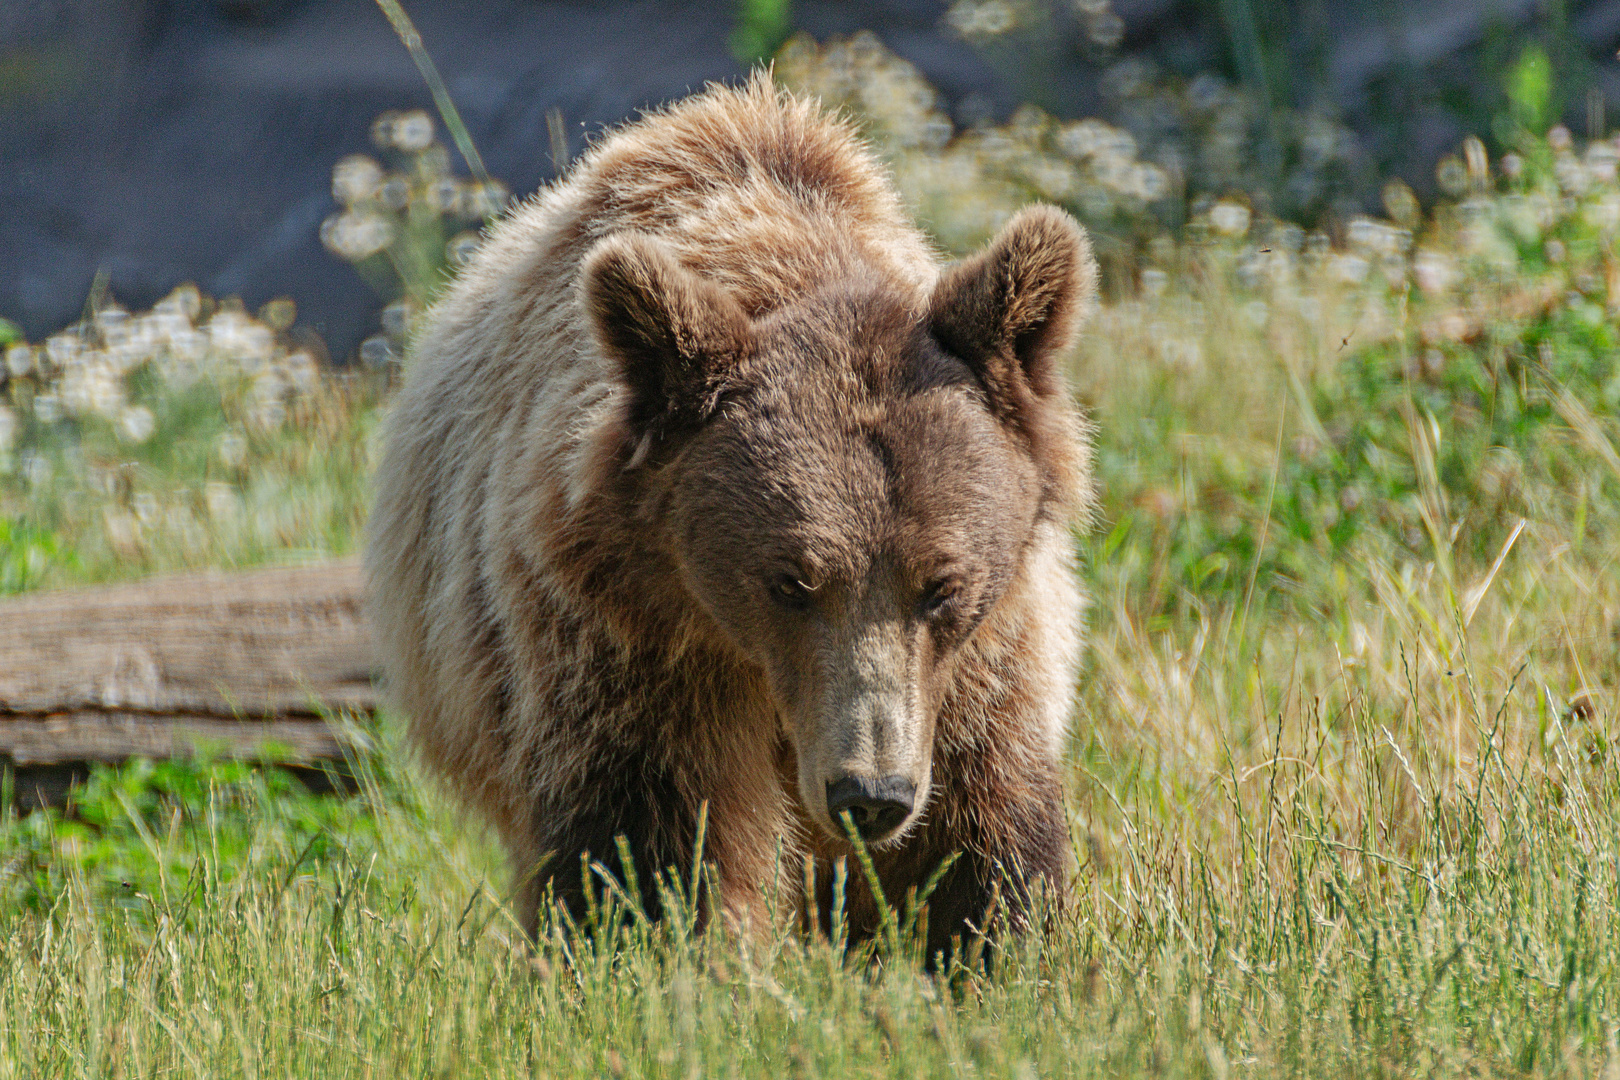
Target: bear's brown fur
x=709, y=486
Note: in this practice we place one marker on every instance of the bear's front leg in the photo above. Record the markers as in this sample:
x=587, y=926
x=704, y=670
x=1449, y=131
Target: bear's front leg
x=644, y=805
x=1003, y=818
x=577, y=848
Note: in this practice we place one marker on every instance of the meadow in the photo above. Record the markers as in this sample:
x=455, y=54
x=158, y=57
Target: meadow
x=1343, y=786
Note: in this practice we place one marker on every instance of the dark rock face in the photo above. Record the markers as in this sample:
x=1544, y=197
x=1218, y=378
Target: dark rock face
x=161, y=141
x=172, y=140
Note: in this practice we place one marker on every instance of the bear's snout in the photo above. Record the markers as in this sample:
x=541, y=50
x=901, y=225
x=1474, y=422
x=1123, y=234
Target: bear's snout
x=864, y=728
x=876, y=806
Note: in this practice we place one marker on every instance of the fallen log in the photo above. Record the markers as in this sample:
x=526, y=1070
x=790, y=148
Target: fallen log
x=93, y=735
x=247, y=664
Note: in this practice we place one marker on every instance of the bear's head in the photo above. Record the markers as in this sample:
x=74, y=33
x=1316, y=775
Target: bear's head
x=848, y=484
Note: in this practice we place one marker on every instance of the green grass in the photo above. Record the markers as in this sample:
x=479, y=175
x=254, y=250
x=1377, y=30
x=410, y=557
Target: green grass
x=1342, y=786
x=365, y=939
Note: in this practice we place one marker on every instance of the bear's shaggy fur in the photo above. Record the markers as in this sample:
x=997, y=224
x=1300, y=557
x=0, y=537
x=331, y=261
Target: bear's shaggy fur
x=709, y=486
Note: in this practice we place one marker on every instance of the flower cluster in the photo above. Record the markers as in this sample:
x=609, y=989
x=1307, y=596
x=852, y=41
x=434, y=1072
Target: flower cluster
x=191, y=433
x=403, y=226
x=966, y=184
x=88, y=372
x=984, y=21
x=1168, y=148
x=1531, y=234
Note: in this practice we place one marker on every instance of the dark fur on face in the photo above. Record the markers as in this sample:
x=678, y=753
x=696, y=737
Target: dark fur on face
x=848, y=485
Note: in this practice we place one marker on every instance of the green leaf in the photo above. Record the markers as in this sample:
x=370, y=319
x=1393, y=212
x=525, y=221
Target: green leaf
x=1529, y=88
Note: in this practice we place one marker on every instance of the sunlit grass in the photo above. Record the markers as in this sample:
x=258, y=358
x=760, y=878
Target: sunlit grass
x=1473, y=936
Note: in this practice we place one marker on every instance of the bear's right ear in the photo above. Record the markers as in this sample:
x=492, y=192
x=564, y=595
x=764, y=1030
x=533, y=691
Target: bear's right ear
x=679, y=339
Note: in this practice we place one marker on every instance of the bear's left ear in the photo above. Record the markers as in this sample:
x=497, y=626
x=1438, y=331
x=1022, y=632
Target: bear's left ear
x=677, y=338
x=1014, y=309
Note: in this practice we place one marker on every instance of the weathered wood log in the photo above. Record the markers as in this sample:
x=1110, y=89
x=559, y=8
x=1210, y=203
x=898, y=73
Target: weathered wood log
x=94, y=735
x=243, y=662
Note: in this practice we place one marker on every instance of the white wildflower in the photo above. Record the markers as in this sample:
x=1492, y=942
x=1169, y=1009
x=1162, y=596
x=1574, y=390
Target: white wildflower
x=412, y=131
x=113, y=323
x=446, y=197
x=460, y=247
x=221, y=500
x=64, y=350
x=1603, y=212
x=136, y=423
x=485, y=200
x=376, y=351
x=1082, y=139
x=1377, y=237
x=1151, y=182
x=185, y=301
x=1347, y=268
x=355, y=236
x=1229, y=218
x=355, y=178
x=1602, y=162
x=104, y=392
x=1435, y=271
x=241, y=338
x=232, y=450
x=189, y=346
x=162, y=327
x=19, y=360
x=301, y=372
x=1053, y=180
x=981, y=18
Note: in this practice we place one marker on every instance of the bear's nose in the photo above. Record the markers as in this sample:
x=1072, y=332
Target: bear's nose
x=876, y=806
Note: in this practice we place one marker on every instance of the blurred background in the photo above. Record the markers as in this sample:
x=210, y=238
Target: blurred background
x=155, y=142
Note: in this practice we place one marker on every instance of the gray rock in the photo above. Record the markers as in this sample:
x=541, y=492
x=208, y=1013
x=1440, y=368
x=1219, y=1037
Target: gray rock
x=171, y=140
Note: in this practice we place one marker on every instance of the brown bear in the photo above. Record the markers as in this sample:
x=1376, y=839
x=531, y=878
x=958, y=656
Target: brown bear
x=710, y=487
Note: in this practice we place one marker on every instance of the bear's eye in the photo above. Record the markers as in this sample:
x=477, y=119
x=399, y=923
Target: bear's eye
x=790, y=592
x=938, y=596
